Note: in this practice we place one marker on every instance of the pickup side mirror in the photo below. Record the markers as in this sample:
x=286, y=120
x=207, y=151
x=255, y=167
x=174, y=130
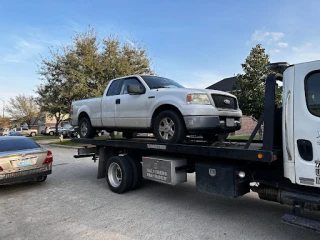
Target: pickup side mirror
x=135, y=89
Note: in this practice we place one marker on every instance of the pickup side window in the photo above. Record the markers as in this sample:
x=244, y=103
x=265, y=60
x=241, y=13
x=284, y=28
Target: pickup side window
x=128, y=81
x=114, y=88
x=24, y=129
x=312, y=88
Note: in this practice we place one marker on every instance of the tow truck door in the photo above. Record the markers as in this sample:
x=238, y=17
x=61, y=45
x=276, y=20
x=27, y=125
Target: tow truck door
x=306, y=119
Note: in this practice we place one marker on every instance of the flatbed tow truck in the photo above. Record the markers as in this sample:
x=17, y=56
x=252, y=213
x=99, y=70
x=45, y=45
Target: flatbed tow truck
x=283, y=167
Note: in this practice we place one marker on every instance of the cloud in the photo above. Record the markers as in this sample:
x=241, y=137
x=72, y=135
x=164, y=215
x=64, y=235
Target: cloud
x=131, y=43
x=283, y=44
x=302, y=48
x=300, y=53
x=274, y=51
x=22, y=51
x=261, y=36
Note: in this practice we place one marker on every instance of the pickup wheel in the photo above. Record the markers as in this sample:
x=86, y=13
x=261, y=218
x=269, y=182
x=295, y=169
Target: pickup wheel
x=85, y=128
x=169, y=127
x=51, y=133
x=33, y=134
x=119, y=174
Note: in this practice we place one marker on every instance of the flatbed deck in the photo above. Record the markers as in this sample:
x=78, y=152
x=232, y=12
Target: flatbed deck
x=228, y=150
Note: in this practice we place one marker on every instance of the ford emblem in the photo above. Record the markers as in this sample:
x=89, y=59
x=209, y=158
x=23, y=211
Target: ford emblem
x=227, y=101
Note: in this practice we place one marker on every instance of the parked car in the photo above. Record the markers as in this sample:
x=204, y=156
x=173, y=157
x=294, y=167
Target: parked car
x=24, y=131
x=144, y=103
x=5, y=132
x=69, y=133
x=52, y=130
x=14, y=133
x=22, y=158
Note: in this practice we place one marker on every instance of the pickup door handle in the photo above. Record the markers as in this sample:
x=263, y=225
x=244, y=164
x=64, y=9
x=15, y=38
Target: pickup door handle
x=118, y=101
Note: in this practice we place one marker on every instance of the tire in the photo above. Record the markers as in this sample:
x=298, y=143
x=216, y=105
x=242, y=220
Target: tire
x=41, y=179
x=119, y=174
x=169, y=127
x=137, y=181
x=33, y=134
x=51, y=133
x=85, y=128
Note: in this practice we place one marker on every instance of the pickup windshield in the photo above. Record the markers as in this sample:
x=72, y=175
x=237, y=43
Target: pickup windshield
x=155, y=82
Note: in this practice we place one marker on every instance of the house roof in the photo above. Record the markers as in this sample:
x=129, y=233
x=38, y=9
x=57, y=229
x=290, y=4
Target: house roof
x=225, y=85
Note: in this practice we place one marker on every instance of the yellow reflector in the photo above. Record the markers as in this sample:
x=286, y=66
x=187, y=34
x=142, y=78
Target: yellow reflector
x=260, y=155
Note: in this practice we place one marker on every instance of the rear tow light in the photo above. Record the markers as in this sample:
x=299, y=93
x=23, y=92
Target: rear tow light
x=49, y=158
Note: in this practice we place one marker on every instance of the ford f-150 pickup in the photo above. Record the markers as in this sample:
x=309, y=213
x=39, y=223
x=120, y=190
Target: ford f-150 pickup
x=146, y=103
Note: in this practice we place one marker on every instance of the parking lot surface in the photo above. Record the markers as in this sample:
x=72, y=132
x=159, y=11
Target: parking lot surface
x=73, y=204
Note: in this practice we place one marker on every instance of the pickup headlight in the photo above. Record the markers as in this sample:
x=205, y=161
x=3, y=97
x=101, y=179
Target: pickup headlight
x=198, y=98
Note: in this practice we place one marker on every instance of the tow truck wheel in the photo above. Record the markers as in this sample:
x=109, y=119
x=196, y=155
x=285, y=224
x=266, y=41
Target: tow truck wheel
x=137, y=172
x=119, y=174
x=169, y=127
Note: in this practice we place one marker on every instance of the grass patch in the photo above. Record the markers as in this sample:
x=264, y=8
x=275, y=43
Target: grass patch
x=44, y=137
x=67, y=142
x=242, y=137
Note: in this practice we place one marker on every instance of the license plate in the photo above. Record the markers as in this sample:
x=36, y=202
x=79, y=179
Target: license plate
x=230, y=122
x=26, y=162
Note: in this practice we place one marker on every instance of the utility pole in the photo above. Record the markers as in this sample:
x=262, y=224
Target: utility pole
x=2, y=124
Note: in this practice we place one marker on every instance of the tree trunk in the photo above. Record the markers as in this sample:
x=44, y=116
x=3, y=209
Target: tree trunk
x=58, y=120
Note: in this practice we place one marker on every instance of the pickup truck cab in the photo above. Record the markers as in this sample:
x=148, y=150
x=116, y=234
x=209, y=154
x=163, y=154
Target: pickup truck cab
x=146, y=103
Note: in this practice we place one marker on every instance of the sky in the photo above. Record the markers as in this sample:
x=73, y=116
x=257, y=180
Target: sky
x=196, y=43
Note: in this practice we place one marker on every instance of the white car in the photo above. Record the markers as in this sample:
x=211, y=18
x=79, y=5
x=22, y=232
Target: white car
x=52, y=130
x=146, y=103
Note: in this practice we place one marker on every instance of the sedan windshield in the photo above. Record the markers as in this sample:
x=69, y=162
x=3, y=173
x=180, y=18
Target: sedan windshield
x=155, y=82
x=9, y=145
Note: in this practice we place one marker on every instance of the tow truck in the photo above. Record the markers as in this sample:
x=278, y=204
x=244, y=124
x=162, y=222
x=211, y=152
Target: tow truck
x=283, y=167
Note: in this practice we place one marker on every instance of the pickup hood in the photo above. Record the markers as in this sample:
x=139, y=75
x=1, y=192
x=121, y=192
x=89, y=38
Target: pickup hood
x=192, y=90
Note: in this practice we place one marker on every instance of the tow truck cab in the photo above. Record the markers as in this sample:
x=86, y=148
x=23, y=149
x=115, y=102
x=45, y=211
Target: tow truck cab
x=301, y=123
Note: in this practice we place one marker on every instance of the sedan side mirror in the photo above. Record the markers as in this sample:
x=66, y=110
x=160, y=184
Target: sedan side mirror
x=135, y=89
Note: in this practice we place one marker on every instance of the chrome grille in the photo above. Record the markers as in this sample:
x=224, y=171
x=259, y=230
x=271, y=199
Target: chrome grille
x=226, y=102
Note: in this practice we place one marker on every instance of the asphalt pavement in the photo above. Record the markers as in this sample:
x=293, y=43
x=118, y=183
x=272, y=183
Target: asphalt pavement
x=73, y=204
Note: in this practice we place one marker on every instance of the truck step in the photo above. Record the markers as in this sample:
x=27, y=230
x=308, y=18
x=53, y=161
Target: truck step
x=306, y=223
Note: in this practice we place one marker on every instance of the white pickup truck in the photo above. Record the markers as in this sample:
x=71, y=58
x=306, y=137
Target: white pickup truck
x=146, y=103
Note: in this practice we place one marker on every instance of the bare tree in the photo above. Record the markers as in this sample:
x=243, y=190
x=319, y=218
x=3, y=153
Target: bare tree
x=23, y=108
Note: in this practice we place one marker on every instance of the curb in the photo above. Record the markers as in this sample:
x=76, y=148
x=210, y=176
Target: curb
x=61, y=146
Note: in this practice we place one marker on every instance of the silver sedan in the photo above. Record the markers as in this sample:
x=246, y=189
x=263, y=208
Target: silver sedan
x=22, y=159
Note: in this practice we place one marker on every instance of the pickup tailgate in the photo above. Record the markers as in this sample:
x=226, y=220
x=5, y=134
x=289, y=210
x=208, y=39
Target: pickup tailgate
x=91, y=107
